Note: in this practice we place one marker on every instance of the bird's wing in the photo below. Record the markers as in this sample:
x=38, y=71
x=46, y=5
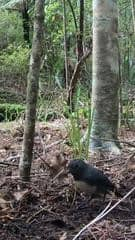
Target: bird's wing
x=97, y=178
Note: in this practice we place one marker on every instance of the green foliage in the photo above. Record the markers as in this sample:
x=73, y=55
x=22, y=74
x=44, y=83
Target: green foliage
x=75, y=135
x=10, y=29
x=49, y=107
x=10, y=112
x=46, y=113
x=126, y=41
x=14, y=60
x=54, y=37
x=80, y=148
x=128, y=114
x=8, y=96
x=82, y=113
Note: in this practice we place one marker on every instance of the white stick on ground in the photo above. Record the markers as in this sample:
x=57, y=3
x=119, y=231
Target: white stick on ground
x=103, y=213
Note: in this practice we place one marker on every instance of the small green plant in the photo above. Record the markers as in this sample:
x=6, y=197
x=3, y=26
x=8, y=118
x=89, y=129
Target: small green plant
x=10, y=112
x=128, y=114
x=87, y=143
x=80, y=148
x=75, y=135
x=45, y=111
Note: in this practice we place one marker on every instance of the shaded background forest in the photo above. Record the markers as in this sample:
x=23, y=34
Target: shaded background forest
x=16, y=28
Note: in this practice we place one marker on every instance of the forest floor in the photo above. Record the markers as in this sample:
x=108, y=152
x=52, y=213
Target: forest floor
x=47, y=208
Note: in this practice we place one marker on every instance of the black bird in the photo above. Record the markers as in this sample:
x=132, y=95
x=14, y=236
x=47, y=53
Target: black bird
x=90, y=180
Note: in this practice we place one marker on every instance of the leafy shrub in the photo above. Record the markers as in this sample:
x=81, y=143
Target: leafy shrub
x=14, y=60
x=10, y=112
x=10, y=28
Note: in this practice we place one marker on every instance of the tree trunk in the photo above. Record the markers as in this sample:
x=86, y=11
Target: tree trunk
x=133, y=13
x=80, y=56
x=65, y=43
x=32, y=91
x=80, y=34
x=25, y=19
x=105, y=85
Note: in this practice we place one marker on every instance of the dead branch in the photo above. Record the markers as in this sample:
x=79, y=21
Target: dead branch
x=43, y=209
x=9, y=164
x=75, y=77
x=54, y=143
x=58, y=174
x=129, y=158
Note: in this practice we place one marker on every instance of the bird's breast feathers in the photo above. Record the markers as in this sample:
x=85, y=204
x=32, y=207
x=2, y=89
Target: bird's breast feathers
x=82, y=186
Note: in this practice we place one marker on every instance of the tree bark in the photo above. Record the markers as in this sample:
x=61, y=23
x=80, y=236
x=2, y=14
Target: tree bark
x=133, y=13
x=80, y=57
x=105, y=85
x=80, y=34
x=65, y=42
x=32, y=91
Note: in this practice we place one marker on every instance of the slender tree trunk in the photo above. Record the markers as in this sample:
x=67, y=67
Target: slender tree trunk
x=133, y=13
x=80, y=34
x=105, y=85
x=65, y=42
x=80, y=56
x=73, y=13
x=74, y=79
x=32, y=91
x=25, y=18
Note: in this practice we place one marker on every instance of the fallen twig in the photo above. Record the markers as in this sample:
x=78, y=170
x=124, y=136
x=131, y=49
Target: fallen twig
x=129, y=158
x=9, y=164
x=54, y=143
x=103, y=213
x=41, y=141
x=43, y=160
x=43, y=209
x=58, y=174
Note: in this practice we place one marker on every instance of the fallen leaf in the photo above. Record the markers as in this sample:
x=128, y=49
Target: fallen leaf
x=20, y=195
x=64, y=236
x=4, y=204
x=132, y=227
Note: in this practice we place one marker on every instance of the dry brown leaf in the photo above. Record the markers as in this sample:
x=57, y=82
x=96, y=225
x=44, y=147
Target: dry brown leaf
x=132, y=227
x=131, y=166
x=6, y=217
x=18, y=131
x=4, y=204
x=57, y=161
x=20, y=195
